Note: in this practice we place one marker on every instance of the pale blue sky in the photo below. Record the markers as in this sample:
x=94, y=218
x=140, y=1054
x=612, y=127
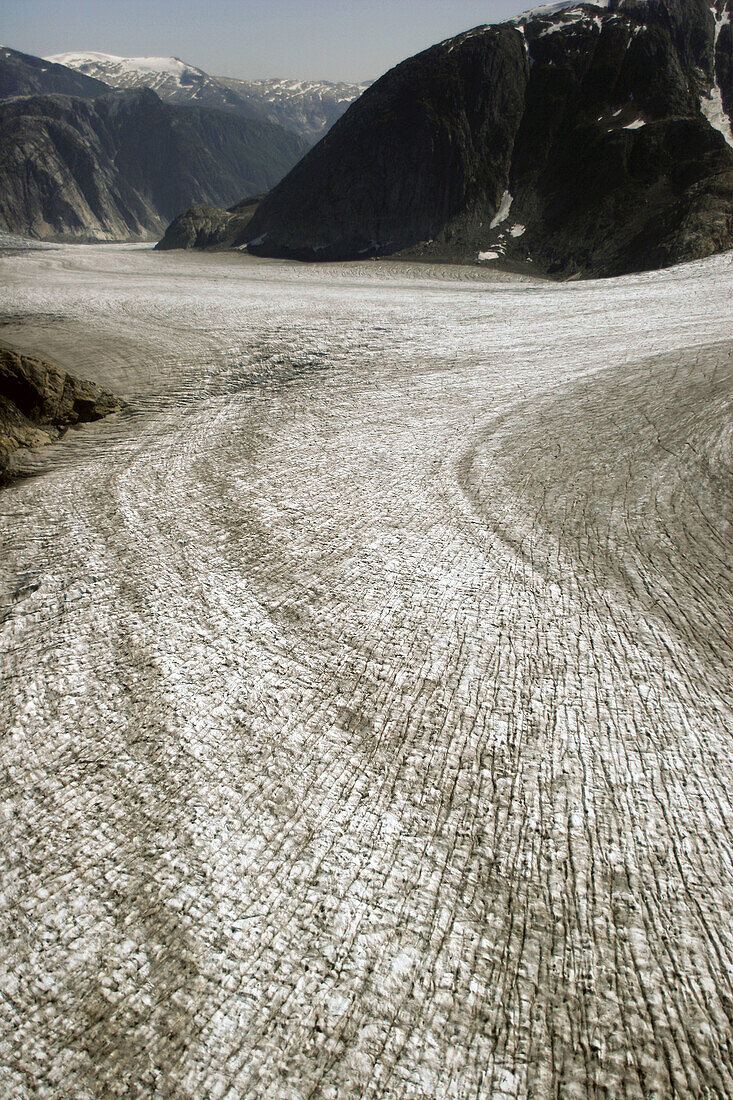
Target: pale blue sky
x=328, y=39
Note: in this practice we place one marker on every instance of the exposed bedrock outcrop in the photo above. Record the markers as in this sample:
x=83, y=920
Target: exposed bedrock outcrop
x=39, y=402
x=210, y=227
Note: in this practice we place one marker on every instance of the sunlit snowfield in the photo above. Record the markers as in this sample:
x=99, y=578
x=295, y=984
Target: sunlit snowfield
x=366, y=685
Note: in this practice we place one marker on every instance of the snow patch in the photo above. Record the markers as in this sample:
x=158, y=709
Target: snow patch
x=173, y=66
x=565, y=6
x=574, y=17
x=503, y=212
x=517, y=230
x=635, y=125
x=490, y=255
x=712, y=105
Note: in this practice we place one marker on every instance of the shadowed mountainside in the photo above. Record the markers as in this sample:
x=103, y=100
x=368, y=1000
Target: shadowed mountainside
x=23, y=74
x=588, y=140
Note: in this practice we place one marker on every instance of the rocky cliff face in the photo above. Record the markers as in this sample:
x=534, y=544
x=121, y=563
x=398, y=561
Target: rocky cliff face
x=587, y=139
x=39, y=402
x=122, y=165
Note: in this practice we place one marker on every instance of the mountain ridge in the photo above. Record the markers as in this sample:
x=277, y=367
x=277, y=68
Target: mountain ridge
x=121, y=165
x=308, y=108
x=23, y=74
x=575, y=138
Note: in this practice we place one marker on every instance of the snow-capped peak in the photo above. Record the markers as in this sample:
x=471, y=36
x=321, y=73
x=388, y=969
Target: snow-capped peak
x=172, y=66
x=307, y=107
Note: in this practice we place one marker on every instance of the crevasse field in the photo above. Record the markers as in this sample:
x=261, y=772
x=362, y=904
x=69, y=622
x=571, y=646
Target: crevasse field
x=366, y=685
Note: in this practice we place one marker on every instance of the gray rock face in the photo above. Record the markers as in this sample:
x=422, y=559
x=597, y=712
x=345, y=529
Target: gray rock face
x=39, y=402
x=122, y=165
x=586, y=140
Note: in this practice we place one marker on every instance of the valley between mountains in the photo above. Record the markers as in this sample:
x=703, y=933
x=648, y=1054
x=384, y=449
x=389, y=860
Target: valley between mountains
x=367, y=684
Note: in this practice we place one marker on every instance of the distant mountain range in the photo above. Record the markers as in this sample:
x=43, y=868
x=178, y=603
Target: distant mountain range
x=80, y=161
x=579, y=139
x=307, y=107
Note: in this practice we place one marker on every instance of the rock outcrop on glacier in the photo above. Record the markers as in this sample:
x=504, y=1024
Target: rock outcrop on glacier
x=39, y=402
x=210, y=227
x=589, y=139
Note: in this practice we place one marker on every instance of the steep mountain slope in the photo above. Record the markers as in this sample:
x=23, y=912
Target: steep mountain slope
x=124, y=164
x=23, y=74
x=589, y=138
x=307, y=107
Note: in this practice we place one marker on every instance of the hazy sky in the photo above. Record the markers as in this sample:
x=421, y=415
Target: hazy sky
x=329, y=39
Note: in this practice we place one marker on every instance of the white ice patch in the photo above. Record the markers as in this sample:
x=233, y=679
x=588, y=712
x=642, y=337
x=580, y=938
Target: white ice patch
x=635, y=125
x=503, y=212
x=574, y=17
x=551, y=9
x=712, y=105
x=490, y=255
x=171, y=65
x=517, y=230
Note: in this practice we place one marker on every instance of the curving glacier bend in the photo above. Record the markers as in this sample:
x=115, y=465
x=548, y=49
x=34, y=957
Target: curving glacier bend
x=366, y=696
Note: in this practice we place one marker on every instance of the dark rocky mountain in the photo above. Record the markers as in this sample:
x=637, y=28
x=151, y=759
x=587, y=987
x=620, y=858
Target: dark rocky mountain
x=39, y=402
x=586, y=139
x=306, y=107
x=121, y=165
x=23, y=74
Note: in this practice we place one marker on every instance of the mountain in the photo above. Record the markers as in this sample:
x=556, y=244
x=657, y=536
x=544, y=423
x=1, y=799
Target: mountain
x=122, y=165
x=308, y=108
x=171, y=79
x=23, y=74
x=587, y=139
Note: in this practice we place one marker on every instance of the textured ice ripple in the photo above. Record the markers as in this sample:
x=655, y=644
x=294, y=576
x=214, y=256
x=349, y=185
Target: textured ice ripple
x=367, y=687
